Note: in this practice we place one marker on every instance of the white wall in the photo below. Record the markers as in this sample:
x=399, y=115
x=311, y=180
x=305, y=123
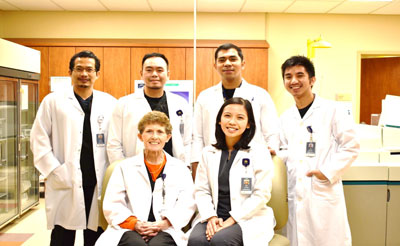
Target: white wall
x=111, y=25
x=337, y=68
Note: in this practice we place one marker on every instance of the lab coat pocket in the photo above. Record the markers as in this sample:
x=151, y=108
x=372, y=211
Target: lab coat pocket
x=60, y=178
x=324, y=190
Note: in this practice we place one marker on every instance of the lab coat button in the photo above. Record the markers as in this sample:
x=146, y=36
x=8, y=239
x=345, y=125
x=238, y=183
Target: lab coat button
x=298, y=198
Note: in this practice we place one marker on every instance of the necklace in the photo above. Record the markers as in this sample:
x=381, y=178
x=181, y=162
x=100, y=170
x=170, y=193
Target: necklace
x=156, y=171
x=161, y=165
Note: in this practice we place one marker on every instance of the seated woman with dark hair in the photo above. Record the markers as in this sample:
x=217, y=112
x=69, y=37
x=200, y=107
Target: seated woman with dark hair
x=233, y=183
x=149, y=197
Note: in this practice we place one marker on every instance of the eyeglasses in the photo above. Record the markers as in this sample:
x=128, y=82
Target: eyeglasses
x=87, y=69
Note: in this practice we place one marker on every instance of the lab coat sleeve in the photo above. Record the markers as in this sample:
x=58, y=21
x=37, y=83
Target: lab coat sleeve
x=187, y=136
x=269, y=122
x=114, y=142
x=263, y=174
x=202, y=190
x=115, y=206
x=282, y=152
x=180, y=215
x=41, y=144
x=347, y=148
x=198, y=141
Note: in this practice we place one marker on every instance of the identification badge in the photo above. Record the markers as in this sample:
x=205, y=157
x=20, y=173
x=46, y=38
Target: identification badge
x=245, y=186
x=100, y=140
x=310, y=149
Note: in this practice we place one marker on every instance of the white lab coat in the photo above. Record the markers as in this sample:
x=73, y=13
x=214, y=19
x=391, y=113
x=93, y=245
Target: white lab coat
x=129, y=194
x=251, y=212
x=56, y=141
x=317, y=209
x=123, y=130
x=210, y=101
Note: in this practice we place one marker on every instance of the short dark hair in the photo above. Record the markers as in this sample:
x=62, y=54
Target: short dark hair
x=154, y=54
x=247, y=135
x=228, y=46
x=299, y=61
x=85, y=54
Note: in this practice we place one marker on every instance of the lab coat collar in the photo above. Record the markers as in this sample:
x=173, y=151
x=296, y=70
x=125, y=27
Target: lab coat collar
x=70, y=94
x=316, y=104
x=139, y=163
x=244, y=85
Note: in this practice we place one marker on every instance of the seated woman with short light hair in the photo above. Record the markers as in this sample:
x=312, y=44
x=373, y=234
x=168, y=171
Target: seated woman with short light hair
x=149, y=197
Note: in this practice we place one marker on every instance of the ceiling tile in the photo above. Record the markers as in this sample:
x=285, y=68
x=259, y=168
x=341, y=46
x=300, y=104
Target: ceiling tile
x=127, y=5
x=45, y=5
x=5, y=6
x=392, y=8
x=312, y=6
x=272, y=6
x=357, y=7
x=219, y=5
x=172, y=5
x=80, y=5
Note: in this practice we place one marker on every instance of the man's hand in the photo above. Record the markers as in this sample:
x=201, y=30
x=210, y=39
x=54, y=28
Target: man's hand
x=194, y=168
x=317, y=173
x=271, y=151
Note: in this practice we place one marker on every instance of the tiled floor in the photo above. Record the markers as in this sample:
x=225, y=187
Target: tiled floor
x=34, y=221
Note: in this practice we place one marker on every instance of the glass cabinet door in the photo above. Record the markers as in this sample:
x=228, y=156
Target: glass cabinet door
x=29, y=176
x=8, y=149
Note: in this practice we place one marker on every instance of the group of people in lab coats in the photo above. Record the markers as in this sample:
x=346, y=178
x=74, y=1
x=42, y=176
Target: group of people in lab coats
x=226, y=140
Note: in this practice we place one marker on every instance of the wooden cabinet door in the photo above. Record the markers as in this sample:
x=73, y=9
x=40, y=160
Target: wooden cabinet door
x=256, y=66
x=59, y=58
x=117, y=71
x=205, y=72
x=44, y=82
x=99, y=52
x=176, y=58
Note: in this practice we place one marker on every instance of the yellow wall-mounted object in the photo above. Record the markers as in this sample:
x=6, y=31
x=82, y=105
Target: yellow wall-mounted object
x=314, y=44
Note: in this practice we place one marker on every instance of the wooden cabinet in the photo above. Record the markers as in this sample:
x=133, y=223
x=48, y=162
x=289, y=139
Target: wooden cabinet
x=117, y=73
x=121, y=61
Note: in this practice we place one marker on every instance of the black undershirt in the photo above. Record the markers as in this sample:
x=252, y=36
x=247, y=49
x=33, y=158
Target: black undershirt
x=160, y=104
x=228, y=93
x=303, y=111
x=89, y=180
x=86, y=159
x=152, y=183
x=224, y=194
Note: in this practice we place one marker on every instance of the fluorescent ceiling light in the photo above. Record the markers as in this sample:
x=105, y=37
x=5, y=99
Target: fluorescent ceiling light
x=370, y=0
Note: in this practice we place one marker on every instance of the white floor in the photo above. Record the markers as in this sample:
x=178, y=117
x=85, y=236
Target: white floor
x=34, y=221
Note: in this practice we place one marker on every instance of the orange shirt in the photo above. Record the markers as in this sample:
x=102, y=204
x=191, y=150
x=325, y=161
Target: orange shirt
x=155, y=170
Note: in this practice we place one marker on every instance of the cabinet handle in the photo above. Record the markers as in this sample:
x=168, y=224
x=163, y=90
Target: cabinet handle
x=388, y=195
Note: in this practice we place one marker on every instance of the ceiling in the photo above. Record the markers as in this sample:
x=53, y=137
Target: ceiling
x=244, y=6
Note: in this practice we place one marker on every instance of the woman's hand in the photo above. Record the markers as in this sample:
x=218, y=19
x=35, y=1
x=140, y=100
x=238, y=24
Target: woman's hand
x=213, y=224
x=228, y=222
x=146, y=229
x=162, y=224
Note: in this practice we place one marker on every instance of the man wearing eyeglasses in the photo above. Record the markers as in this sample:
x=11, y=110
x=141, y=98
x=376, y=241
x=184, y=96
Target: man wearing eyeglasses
x=67, y=141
